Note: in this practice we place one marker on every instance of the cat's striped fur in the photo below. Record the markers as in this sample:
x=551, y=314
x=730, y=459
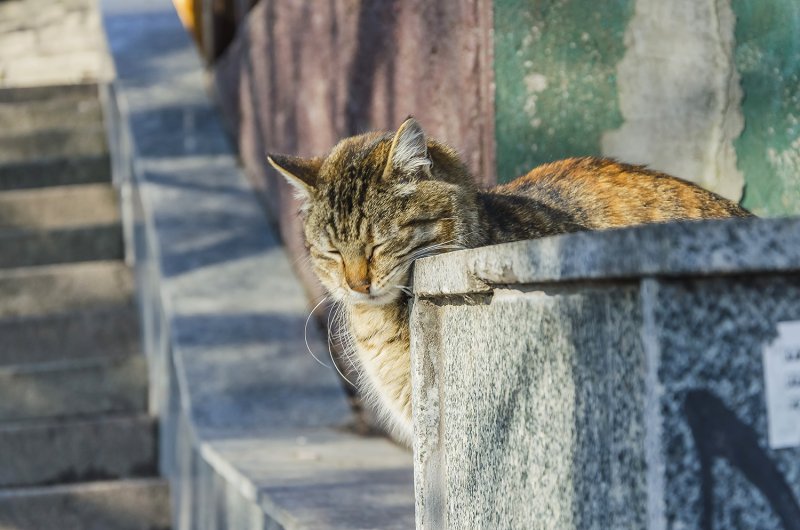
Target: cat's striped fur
x=380, y=200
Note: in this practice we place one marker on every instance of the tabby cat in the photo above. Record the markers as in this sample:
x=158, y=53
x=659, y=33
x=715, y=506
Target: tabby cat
x=379, y=201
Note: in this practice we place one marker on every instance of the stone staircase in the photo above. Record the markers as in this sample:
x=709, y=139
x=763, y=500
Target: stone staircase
x=78, y=449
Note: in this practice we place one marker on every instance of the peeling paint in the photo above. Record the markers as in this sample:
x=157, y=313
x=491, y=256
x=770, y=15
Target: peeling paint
x=768, y=58
x=555, y=68
x=679, y=93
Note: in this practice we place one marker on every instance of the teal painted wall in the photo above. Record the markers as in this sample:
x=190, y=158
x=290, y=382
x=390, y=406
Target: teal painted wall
x=556, y=88
x=768, y=60
x=555, y=78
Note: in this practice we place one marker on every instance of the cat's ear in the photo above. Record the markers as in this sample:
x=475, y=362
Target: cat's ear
x=409, y=151
x=299, y=172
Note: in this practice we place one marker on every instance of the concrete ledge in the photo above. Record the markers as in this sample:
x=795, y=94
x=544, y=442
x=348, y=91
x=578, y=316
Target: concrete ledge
x=252, y=430
x=697, y=248
x=640, y=378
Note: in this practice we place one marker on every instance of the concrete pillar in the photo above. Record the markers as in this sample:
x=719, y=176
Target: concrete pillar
x=642, y=378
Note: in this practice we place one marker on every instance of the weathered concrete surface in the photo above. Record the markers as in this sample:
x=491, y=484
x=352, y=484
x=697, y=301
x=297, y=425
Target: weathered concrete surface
x=60, y=171
x=37, y=108
x=112, y=385
x=46, y=42
x=83, y=334
x=136, y=504
x=67, y=206
x=728, y=247
x=584, y=382
x=64, y=289
x=77, y=450
x=534, y=406
x=234, y=386
x=679, y=93
x=58, y=225
x=303, y=75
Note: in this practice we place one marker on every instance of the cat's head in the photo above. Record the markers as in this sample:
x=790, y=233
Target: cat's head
x=377, y=202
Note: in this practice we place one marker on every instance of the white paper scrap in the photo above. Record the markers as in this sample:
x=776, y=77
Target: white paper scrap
x=782, y=382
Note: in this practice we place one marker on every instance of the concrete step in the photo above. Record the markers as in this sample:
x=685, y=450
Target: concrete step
x=58, y=225
x=77, y=450
x=62, y=141
x=43, y=94
x=23, y=117
x=59, y=171
x=85, y=387
x=64, y=289
x=109, y=332
x=138, y=504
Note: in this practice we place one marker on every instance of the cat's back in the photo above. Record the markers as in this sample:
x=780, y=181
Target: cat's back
x=602, y=193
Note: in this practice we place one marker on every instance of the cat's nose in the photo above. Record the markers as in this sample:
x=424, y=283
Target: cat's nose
x=356, y=273
x=360, y=285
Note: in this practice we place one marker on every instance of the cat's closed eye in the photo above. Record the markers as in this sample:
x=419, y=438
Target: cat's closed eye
x=420, y=222
x=374, y=250
x=327, y=252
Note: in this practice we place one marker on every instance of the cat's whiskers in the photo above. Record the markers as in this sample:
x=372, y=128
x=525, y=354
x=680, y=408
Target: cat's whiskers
x=405, y=289
x=337, y=329
x=403, y=266
x=305, y=331
x=303, y=261
x=330, y=349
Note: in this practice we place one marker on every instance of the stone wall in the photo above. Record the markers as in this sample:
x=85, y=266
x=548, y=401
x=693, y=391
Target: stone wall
x=640, y=378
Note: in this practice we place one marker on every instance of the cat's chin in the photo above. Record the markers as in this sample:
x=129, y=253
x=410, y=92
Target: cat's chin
x=372, y=299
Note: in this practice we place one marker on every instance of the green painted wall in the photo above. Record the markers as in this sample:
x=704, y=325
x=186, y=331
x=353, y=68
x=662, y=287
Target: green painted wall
x=556, y=88
x=555, y=78
x=768, y=61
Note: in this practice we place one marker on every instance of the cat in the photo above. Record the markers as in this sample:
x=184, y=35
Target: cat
x=379, y=201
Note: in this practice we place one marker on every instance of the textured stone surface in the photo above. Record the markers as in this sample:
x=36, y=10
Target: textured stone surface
x=137, y=504
x=605, y=380
x=224, y=318
x=538, y=400
x=704, y=248
x=58, y=452
x=341, y=478
x=709, y=336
